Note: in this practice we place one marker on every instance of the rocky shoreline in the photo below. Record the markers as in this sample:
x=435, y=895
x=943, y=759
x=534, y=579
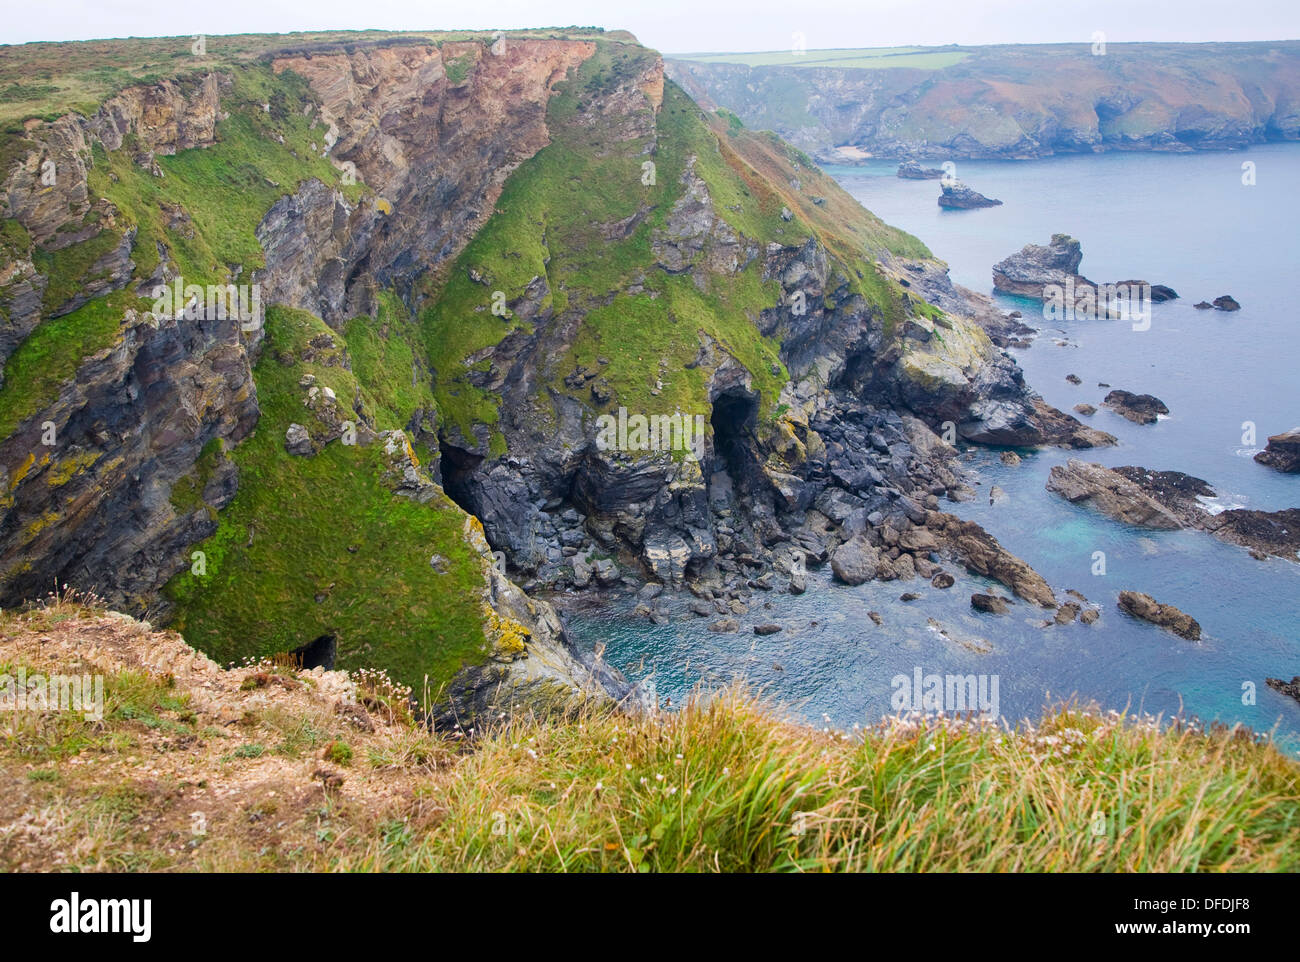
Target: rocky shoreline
x=1171, y=500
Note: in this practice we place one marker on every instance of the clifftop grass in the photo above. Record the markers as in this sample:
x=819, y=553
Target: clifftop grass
x=286, y=783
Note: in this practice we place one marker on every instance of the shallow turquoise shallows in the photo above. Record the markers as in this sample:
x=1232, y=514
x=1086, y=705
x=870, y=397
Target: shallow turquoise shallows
x=1186, y=221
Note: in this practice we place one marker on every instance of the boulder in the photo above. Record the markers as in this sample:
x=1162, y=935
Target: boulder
x=768, y=629
x=298, y=441
x=992, y=604
x=1166, y=616
x=855, y=562
x=1226, y=302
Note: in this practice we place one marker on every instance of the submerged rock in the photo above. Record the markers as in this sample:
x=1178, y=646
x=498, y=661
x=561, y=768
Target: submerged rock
x=1145, y=607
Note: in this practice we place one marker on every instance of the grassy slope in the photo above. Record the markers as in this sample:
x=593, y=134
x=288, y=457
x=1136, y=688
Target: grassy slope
x=320, y=546
x=721, y=786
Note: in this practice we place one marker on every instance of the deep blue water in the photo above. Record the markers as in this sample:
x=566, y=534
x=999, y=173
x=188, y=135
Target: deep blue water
x=1182, y=220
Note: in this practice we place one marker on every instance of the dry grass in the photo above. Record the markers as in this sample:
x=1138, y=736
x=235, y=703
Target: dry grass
x=283, y=781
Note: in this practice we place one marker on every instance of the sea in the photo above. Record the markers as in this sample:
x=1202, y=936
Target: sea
x=1205, y=224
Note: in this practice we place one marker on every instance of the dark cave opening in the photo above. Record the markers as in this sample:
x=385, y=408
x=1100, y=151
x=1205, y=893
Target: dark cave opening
x=317, y=654
x=733, y=420
x=458, y=467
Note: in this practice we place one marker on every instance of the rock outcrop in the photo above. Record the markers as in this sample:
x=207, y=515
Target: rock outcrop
x=911, y=170
x=958, y=196
x=1110, y=493
x=1282, y=452
x=1138, y=408
x=1166, y=616
x=1170, y=500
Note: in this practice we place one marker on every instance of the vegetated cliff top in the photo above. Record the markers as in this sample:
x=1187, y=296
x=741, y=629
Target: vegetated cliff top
x=45, y=79
x=1009, y=100
x=268, y=767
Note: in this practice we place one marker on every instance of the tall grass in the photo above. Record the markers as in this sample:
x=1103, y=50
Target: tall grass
x=725, y=785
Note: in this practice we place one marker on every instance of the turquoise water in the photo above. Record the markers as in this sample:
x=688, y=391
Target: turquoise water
x=1182, y=220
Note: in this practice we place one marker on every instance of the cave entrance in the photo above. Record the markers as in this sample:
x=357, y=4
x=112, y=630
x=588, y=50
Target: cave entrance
x=458, y=467
x=317, y=654
x=733, y=419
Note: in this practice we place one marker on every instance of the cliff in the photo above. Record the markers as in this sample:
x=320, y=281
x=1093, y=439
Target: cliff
x=310, y=349
x=1009, y=101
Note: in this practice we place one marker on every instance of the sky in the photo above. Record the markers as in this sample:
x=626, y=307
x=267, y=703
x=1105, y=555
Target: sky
x=681, y=26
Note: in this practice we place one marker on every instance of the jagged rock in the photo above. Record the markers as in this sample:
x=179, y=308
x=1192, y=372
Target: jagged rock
x=1110, y=493
x=1282, y=452
x=1290, y=688
x=982, y=554
x=1226, y=302
x=1203, y=305
x=1087, y=410
x=943, y=580
x=1166, y=616
x=1067, y=613
x=298, y=441
x=606, y=572
x=725, y=626
x=958, y=196
x=1029, y=272
x=990, y=604
x=1074, y=379
x=875, y=617
x=1138, y=408
x=1089, y=615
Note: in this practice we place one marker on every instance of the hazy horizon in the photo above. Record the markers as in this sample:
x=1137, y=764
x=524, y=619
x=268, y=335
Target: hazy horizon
x=681, y=26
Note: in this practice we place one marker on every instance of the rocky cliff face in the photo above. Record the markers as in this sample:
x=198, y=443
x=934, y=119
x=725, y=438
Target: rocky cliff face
x=1020, y=101
x=477, y=259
